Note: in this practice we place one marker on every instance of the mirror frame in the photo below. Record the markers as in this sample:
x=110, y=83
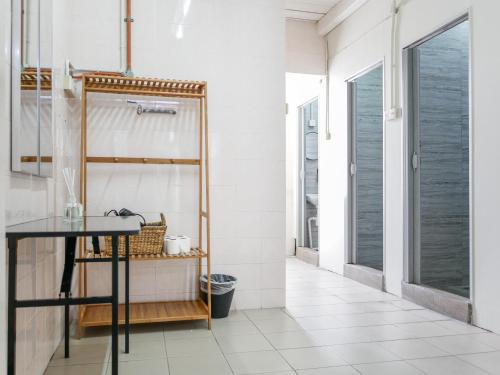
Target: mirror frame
x=16, y=74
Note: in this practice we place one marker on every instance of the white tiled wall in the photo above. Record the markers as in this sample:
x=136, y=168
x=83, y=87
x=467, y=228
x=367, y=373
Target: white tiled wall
x=238, y=47
x=39, y=261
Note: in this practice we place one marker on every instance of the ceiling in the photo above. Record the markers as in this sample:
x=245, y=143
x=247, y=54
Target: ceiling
x=308, y=9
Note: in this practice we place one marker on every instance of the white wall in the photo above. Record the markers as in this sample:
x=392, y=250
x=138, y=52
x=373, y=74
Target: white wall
x=40, y=261
x=239, y=48
x=305, y=49
x=365, y=39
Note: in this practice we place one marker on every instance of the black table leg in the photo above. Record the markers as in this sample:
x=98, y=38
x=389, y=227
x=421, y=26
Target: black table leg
x=66, y=327
x=114, y=308
x=11, y=308
x=127, y=296
x=69, y=265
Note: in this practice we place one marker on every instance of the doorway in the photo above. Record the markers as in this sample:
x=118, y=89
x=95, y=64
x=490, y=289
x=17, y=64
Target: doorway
x=308, y=176
x=438, y=159
x=366, y=169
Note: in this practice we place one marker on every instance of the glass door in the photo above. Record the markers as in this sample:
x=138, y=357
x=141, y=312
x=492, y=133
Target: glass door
x=439, y=154
x=367, y=170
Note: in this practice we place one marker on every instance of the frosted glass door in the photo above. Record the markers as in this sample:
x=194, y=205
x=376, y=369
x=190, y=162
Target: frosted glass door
x=441, y=160
x=367, y=169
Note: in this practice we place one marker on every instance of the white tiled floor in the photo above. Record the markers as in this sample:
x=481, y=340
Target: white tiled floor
x=331, y=326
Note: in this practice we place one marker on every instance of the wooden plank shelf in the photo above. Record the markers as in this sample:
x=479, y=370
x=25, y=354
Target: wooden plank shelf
x=144, y=86
x=29, y=79
x=128, y=160
x=193, y=254
x=146, y=312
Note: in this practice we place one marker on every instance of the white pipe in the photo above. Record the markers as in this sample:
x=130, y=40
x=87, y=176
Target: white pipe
x=123, y=35
x=394, y=57
x=328, y=134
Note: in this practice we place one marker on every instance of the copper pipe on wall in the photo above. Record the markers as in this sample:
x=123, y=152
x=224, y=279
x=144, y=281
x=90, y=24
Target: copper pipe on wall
x=129, y=21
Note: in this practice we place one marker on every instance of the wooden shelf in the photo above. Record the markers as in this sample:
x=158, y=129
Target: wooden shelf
x=29, y=79
x=193, y=254
x=145, y=312
x=144, y=86
x=128, y=160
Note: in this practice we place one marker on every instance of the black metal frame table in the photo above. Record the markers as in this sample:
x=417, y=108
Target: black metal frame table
x=70, y=231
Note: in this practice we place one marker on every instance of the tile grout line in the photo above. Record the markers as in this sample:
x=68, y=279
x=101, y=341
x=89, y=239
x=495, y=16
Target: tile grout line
x=222, y=351
x=270, y=343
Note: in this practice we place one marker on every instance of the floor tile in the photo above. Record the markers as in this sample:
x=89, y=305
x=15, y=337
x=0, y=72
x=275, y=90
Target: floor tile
x=81, y=355
x=78, y=370
x=388, y=368
x=257, y=362
x=205, y=346
x=311, y=301
x=459, y=327
x=265, y=314
x=425, y=329
x=282, y=324
x=211, y=365
x=244, y=343
x=368, y=297
x=364, y=353
x=464, y=344
x=149, y=367
x=407, y=305
x=386, y=332
x=430, y=315
x=413, y=349
x=338, y=336
x=489, y=362
x=490, y=339
x=187, y=330
x=375, y=306
x=143, y=350
x=288, y=340
x=235, y=328
x=446, y=366
x=323, y=310
x=341, y=370
x=308, y=358
x=234, y=316
x=320, y=322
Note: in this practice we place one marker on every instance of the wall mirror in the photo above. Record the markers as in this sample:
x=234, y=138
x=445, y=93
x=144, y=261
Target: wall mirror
x=31, y=87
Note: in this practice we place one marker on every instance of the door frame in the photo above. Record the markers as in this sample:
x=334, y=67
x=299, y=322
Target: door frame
x=411, y=189
x=351, y=257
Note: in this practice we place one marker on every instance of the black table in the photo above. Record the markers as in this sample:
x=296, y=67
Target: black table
x=58, y=227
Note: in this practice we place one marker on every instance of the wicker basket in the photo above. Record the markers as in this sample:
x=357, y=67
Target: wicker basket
x=148, y=242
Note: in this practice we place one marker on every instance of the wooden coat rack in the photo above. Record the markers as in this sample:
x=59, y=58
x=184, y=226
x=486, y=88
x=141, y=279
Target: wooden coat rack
x=151, y=312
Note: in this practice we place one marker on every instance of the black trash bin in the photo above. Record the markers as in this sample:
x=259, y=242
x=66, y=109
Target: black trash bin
x=222, y=287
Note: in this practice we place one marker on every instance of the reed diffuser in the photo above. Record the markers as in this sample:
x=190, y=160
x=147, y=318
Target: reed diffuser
x=73, y=210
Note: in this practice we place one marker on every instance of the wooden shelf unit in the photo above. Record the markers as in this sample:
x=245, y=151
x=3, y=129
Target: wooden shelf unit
x=161, y=311
x=146, y=312
x=193, y=254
